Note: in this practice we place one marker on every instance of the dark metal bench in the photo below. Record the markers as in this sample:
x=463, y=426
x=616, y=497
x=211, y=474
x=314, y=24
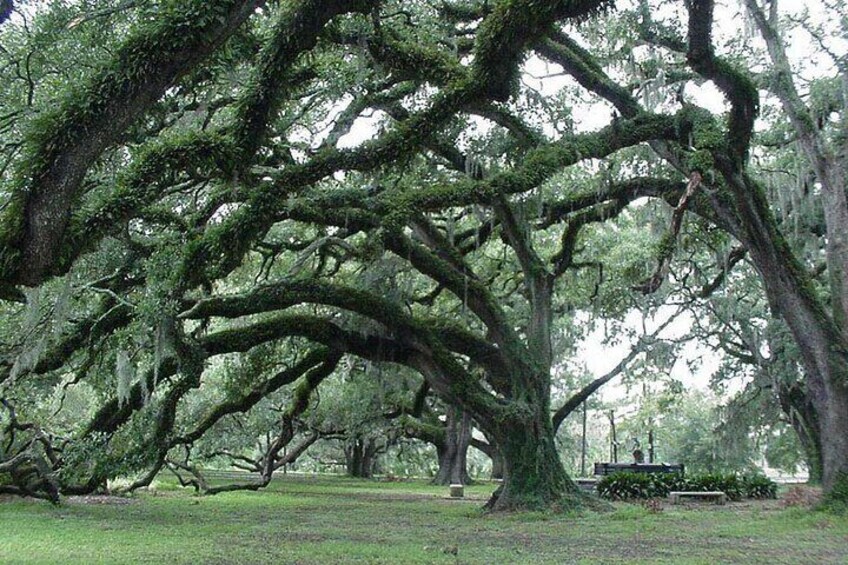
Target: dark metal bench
x=610, y=468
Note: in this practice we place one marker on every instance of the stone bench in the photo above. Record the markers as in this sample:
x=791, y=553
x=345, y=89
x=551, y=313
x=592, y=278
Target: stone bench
x=586, y=484
x=717, y=495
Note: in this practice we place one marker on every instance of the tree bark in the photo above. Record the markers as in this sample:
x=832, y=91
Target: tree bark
x=534, y=477
x=497, y=466
x=359, y=457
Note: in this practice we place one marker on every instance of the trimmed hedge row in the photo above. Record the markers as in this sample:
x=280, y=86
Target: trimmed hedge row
x=628, y=486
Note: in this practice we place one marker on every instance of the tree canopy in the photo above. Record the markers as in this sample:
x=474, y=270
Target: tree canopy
x=256, y=193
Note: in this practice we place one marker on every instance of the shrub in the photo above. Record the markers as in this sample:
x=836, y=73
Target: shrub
x=631, y=486
x=729, y=484
x=624, y=486
x=664, y=483
x=759, y=486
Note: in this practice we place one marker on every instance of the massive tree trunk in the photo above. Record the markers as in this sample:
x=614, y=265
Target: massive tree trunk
x=823, y=351
x=830, y=398
x=821, y=332
x=534, y=477
x=453, y=451
x=744, y=210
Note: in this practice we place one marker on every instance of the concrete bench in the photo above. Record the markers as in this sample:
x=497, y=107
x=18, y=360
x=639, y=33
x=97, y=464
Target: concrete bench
x=717, y=495
x=586, y=484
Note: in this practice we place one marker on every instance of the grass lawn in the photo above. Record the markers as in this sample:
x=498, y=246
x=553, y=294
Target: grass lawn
x=337, y=520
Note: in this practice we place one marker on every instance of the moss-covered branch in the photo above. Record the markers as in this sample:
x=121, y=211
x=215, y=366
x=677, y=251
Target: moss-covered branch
x=736, y=85
x=393, y=316
x=108, y=318
x=580, y=64
x=295, y=32
x=511, y=27
x=541, y=164
x=65, y=142
x=218, y=154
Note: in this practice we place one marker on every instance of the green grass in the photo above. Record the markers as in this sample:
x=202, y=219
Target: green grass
x=335, y=520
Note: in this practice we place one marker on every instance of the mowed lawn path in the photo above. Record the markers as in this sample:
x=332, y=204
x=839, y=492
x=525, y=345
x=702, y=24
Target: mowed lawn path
x=336, y=520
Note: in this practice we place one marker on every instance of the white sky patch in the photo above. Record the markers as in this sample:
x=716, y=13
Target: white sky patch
x=599, y=356
x=364, y=128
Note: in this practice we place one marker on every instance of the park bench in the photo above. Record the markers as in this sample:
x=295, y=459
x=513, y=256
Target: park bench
x=586, y=484
x=718, y=496
x=609, y=468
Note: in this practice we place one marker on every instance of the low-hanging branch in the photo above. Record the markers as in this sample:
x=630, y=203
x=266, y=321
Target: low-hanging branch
x=270, y=460
x=404, y=326
x=289, y=375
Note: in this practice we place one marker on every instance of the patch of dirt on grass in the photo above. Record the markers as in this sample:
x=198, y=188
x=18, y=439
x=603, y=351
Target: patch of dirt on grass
x=803, y=496
x=87, y=499
x=8, y=498
x=278, y=536
x=745, y=505
x=388, y=496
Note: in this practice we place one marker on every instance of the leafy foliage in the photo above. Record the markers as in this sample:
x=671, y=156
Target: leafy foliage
x=628, y=486
x=759, y=486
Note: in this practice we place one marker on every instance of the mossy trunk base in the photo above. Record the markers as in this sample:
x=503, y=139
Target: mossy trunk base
x=534, y=478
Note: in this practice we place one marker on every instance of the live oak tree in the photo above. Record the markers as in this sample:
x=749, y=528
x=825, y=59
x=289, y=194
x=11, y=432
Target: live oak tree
x=217, y=252
x=754, y=345
x=195, y=192
x=736, y=198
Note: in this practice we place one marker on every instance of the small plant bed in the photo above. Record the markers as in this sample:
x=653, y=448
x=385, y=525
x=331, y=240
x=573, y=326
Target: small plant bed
x=633, y=486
